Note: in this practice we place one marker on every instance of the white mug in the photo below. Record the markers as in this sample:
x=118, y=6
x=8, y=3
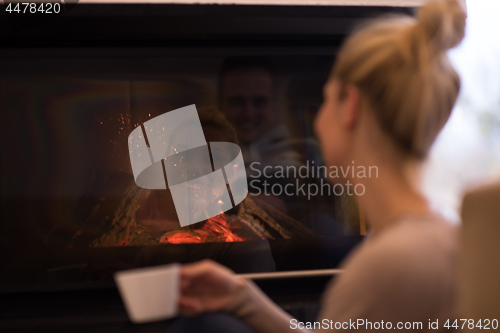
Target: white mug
x=150, y=293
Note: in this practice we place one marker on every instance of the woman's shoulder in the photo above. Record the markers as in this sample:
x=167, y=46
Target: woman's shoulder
x=412, y=263
x=412, y=241
x=417, y=255
x=423, y=236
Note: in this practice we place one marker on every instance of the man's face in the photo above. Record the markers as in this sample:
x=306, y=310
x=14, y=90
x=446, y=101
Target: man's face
x=248, y=103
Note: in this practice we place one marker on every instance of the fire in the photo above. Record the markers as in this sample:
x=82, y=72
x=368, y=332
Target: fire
x=214, y=230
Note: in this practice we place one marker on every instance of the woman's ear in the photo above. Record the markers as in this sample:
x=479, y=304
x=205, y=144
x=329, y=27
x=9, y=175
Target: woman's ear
x=351, y=106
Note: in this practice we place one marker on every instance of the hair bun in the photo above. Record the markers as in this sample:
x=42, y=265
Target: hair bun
x=443, y=22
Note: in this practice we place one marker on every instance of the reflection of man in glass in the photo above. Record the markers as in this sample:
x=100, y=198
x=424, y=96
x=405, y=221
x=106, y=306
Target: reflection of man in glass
x=247, y=98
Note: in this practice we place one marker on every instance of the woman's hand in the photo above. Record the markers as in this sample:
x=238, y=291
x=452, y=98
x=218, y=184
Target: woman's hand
x=207, y=287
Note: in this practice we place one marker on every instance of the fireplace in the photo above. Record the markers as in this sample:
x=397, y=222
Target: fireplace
x=70, y=208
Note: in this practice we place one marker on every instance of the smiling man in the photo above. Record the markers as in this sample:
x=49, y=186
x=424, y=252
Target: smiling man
x=247, y=98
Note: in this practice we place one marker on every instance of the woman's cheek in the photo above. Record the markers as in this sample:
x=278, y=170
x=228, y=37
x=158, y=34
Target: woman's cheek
x=322, y=124
x=317, y=123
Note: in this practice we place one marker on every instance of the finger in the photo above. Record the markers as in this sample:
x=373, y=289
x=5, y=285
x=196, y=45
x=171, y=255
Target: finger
x=197, y=270
x=186, y=311
x=184, y=308
x=185, y=284
x=196, y=267
x=190, y=305
x=191, y=270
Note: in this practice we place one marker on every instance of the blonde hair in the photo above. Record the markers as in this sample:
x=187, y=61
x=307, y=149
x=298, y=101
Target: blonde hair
x=400, y=65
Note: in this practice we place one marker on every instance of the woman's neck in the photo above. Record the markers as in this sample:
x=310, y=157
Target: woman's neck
x=389, y=196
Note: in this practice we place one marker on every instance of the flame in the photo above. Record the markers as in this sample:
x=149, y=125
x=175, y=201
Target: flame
x=214, y=230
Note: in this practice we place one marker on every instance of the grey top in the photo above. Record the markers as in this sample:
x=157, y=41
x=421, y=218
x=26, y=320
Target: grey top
x=407, y=273
x=274, y=148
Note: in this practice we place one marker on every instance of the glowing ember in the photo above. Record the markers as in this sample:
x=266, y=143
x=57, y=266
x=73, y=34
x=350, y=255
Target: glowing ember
x=214, y=230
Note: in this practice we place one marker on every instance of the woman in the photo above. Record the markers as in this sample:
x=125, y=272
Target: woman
x=390, y=92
